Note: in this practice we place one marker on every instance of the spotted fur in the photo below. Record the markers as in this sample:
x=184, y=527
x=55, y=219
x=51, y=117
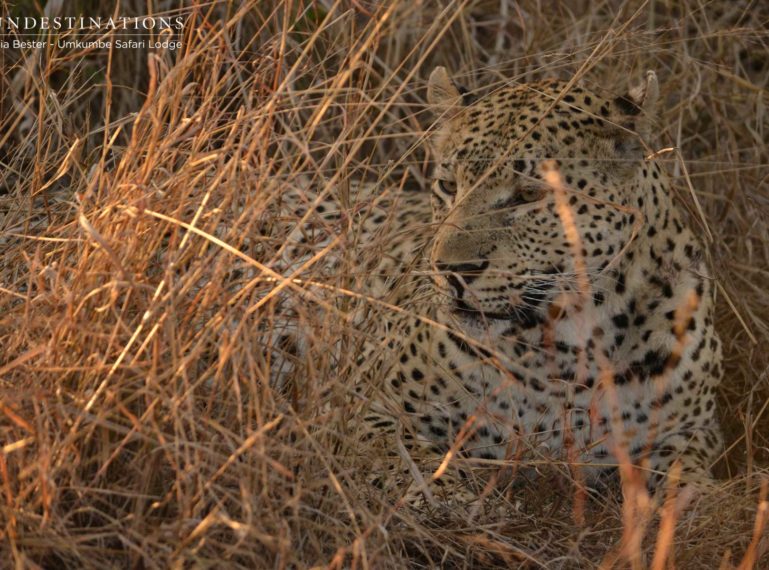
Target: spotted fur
x=571, y=310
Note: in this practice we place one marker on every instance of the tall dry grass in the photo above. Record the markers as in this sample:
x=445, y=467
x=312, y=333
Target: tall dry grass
x=141, y=218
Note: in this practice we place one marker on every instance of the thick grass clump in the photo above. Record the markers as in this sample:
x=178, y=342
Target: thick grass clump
x=142, y=303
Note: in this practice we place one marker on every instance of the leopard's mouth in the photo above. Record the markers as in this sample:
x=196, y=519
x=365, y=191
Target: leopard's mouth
x=524, y=306
x=523, y=315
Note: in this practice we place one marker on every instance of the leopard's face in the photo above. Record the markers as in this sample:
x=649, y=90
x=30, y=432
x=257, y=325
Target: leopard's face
x=532, y=196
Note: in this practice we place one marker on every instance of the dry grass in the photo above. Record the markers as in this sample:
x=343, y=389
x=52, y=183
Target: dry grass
x=139, y=200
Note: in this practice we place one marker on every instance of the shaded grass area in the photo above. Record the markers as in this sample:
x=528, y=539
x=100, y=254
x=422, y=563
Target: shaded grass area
x=141, y=215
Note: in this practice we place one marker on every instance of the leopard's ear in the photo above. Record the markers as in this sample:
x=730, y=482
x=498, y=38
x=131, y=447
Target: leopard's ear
x=442, y=94
x=641, y=103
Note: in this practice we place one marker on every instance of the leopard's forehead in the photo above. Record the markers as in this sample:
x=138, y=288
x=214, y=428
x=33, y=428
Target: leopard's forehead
x=544, y=119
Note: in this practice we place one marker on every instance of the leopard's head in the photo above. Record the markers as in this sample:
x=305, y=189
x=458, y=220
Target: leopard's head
x=536, y=187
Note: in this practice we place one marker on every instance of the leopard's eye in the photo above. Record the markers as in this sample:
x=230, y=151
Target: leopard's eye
x=530, y=194
x=519, y=198
x=448, y=187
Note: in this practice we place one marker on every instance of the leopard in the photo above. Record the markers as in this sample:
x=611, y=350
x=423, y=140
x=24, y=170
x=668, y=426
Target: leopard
x=554, y=304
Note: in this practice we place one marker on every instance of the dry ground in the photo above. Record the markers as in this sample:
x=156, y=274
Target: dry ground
x=137, y=199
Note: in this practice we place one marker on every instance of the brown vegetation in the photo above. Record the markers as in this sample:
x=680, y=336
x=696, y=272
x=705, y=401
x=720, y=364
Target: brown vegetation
x=137, y=232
